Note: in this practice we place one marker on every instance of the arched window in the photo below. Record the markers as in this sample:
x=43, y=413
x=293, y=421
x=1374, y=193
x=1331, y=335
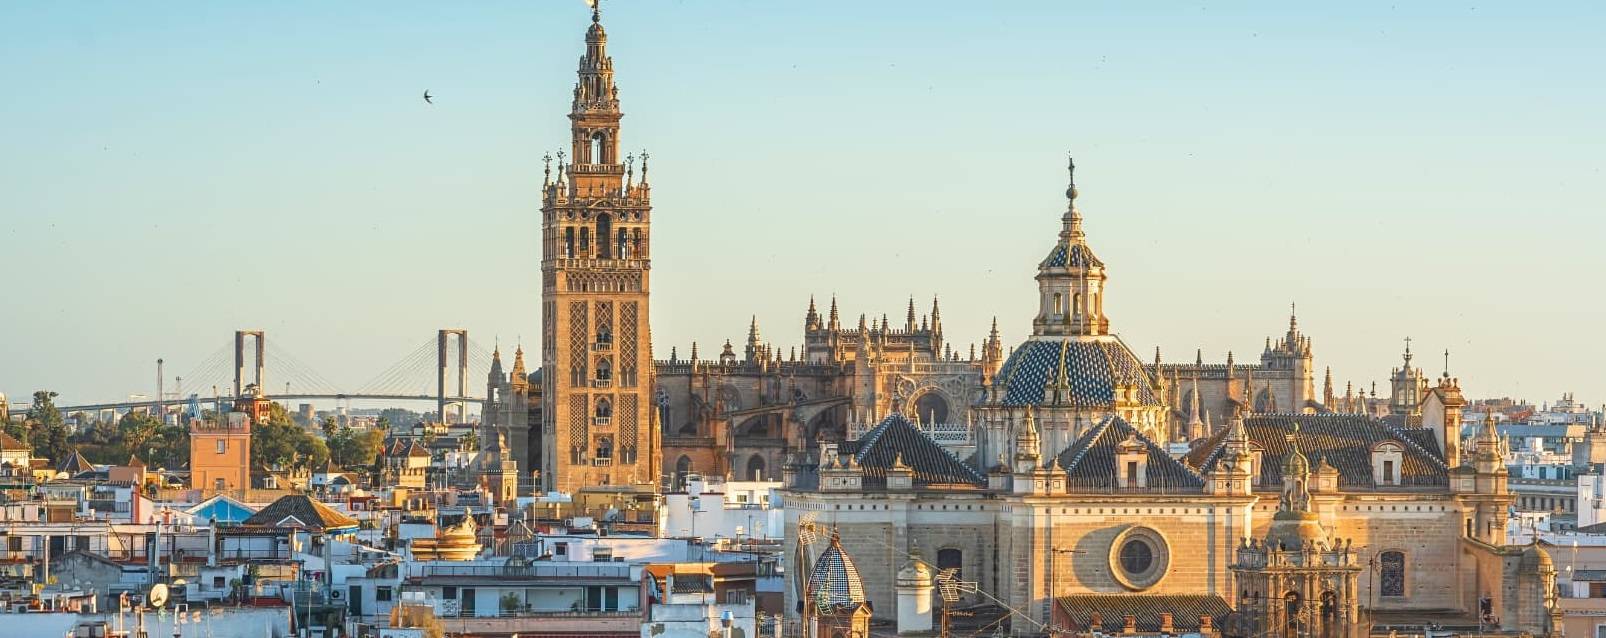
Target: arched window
x=931, y=408
x=1076, y=305
x=604, y=370
x=682, y=468
x=604, y=448
x=568, y=242
x=755, y=468
x=1059, y=305
x=1291, y=602
x=604, y=409
x=1329, y=606
x=585, y=241
x=951, y=558
x=599, y=148
x=623, y=243
x=604, y=231
x=1391, y=574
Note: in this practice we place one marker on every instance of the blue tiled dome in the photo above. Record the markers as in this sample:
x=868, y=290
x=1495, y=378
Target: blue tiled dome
x=1075, y=255
x=1092, y=370
x=835, y=580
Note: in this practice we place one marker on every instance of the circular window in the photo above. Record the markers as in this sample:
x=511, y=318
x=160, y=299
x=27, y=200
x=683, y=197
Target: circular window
x=1136, y=556
x=1139, y=557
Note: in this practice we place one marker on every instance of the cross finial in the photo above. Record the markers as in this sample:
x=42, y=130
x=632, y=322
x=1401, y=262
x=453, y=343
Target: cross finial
x=1070, y=176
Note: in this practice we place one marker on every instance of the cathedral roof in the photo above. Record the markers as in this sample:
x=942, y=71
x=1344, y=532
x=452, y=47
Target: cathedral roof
x=1090, y=461
x=895, y=439
x=1344, y=441
x=834, y=582
x=1112, y=609
x=1089, y=368
x=1422, y=438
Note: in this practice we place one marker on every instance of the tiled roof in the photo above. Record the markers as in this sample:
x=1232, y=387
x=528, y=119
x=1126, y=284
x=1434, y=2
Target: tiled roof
x=1344, y=441
x=1423, y=438
x=1090, y=461
x=75, y=464
x=895, y=436
x=300, y=511
x=1185, y=610
x=1076, y=255
x=692, y=584
x=8, y=442
x=834, y=582
x=1090, y=370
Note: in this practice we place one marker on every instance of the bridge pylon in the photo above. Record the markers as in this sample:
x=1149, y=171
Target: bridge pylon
x=260, y=339
x=442, y=340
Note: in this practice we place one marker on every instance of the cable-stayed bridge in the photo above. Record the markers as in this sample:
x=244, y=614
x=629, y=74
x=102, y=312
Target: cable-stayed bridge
x=439, y=369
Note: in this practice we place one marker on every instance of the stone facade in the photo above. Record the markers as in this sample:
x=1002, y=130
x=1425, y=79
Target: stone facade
x=1293, y=513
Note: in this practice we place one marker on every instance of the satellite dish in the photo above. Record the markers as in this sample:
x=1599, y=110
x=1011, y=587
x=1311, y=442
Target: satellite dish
x=157, y=596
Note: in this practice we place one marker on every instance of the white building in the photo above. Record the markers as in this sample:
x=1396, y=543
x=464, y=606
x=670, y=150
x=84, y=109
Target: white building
x=734, y=509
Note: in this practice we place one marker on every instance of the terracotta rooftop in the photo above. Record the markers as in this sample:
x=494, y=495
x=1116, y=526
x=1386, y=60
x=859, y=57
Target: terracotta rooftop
x=302, y=512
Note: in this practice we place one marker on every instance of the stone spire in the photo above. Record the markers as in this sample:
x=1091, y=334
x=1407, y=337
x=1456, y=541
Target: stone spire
x=833, y=322
x=811, y=319
x=496, y=364
x=518, y=362
x=1027, y=445
x=909, y=322
x=1327, y=389
x=755, y=345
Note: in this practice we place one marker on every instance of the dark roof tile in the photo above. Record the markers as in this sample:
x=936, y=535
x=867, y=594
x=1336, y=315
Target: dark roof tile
x=1090, y=461
x=1344, y=441
x=894, y=436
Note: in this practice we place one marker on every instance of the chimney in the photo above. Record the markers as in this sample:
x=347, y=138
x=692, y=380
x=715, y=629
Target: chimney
x=1205, y=624
x=1130, y=626
x=1165, y=624
x=1095, y=621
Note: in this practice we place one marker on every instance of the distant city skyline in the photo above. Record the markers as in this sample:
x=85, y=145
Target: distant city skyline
x=176, y=174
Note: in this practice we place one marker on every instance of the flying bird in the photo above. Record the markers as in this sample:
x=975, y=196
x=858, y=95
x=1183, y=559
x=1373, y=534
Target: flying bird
x=427, y=96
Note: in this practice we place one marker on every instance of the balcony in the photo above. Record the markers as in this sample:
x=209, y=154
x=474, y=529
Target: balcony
x=602, y=383
x=602, y=420
x=602, y=346
x=601, y=462
x=560, y=574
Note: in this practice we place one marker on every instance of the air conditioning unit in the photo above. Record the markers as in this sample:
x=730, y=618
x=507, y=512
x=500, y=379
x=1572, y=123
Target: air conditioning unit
x=335, y=594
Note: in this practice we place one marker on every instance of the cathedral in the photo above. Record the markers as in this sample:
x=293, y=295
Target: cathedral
x=1063, y=482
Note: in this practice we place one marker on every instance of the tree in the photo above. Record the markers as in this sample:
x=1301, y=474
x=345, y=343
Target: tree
x=278, y=441
x=329, y=427
x=137, y=429
x=399, y=417
x=355, y=448
x=47, y=431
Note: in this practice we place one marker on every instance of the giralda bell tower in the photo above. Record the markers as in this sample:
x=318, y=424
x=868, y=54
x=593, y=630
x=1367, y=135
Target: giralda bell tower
x=596, y=347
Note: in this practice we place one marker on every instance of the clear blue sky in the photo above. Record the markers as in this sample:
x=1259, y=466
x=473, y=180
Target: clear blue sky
x=173, y=171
